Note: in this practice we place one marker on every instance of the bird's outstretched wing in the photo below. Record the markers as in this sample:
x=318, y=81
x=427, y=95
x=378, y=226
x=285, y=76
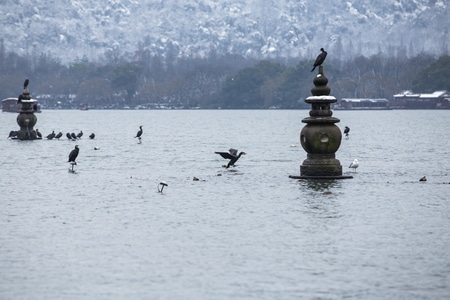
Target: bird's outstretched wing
x=233, y=152
x=225, y=155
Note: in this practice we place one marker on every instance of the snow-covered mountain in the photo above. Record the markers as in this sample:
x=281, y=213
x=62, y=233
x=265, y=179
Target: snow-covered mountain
x=71, y=29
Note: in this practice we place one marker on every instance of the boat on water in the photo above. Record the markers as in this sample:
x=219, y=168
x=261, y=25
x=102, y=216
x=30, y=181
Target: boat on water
x=362, y=104
x=11, y=105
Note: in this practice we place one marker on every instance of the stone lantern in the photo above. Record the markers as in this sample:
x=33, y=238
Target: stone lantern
x=320, y=137
x=26, y=118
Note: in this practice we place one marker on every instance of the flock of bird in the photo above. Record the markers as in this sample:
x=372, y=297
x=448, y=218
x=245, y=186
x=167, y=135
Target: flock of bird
x=232, y=155
x=71, y=136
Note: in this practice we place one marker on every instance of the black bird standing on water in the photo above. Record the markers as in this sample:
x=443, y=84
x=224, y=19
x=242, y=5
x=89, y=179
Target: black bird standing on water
x=73, y=155
x=232, y=155
x=73, y=135
x=80, y=134
x=58, y=135
x=92, y=136
x=51, y=135
x=346, y=131
x=139, y=133
x=320, y=59
x=12, y=134
x=69, y=136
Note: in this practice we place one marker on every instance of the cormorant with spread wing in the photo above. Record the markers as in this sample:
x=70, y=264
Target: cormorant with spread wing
x=232, y=155
x=320, y=59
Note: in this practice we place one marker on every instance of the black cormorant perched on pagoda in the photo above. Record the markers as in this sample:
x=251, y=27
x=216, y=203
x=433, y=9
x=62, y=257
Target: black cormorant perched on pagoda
x=320, y=59
x=232, y=155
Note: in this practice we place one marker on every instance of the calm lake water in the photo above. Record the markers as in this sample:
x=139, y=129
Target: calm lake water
x=249, y=232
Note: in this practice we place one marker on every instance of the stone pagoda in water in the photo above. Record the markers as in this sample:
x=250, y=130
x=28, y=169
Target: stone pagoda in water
x=320, y=137
x=26, y=118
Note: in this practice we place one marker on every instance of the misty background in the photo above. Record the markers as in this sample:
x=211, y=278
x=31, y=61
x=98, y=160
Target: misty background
x=219, y=54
